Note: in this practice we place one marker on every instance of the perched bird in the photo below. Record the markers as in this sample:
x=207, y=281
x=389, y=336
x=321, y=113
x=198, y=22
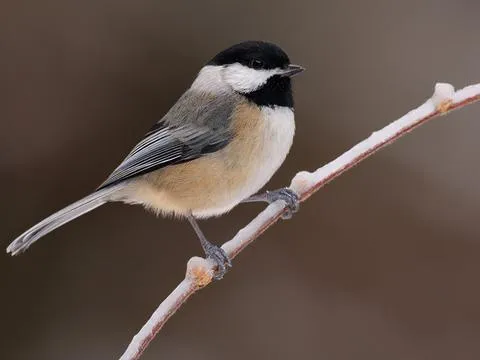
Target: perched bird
x=219, y=144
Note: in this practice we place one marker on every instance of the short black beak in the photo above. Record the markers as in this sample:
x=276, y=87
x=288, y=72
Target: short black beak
x=292, y=70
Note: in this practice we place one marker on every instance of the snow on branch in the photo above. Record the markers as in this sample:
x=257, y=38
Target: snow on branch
x=200, y=271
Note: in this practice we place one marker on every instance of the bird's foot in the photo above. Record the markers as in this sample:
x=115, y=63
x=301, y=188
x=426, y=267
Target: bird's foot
x=220, y=258
x=290, y=197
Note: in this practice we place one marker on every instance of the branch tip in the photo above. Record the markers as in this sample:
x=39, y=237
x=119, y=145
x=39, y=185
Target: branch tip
x=301, y=182
x=200, y=271
x=442, y=97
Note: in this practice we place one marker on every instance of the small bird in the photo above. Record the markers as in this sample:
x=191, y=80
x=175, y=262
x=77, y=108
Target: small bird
x=218, y=145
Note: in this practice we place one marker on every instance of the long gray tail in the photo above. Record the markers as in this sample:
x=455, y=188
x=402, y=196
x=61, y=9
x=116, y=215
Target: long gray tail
x=88, y=203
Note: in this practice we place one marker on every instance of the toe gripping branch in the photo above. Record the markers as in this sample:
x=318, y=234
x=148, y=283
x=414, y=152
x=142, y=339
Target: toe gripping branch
x=290, y=197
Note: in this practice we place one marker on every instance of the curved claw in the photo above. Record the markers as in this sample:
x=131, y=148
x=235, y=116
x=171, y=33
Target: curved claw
x=221, y=259
x=292, y=201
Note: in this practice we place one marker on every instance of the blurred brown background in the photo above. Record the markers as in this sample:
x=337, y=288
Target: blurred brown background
x=381, y=264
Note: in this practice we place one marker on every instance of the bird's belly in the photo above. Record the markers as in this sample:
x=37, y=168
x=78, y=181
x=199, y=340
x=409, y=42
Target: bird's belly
x=215, y=183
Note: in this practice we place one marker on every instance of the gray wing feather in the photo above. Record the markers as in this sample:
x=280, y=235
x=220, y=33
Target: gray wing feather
x=196, y=125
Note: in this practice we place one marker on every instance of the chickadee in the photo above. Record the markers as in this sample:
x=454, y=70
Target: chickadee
x=219, y=144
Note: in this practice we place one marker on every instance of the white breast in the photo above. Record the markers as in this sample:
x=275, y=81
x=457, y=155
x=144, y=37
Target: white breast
x=278, y=137
x=278, y=131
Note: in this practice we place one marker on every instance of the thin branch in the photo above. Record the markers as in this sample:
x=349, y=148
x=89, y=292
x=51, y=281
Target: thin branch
x=200, y=271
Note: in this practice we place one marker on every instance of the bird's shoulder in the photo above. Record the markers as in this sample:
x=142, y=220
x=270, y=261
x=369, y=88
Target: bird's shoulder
x=198, y=123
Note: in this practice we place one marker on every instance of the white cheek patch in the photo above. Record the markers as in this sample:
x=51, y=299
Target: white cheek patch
x=244, y=79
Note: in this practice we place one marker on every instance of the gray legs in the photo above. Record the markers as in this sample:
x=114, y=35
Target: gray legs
x=212, y=251
x=216, y=253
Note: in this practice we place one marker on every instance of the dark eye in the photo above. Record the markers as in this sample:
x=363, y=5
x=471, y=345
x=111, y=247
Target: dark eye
x=256, y=63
